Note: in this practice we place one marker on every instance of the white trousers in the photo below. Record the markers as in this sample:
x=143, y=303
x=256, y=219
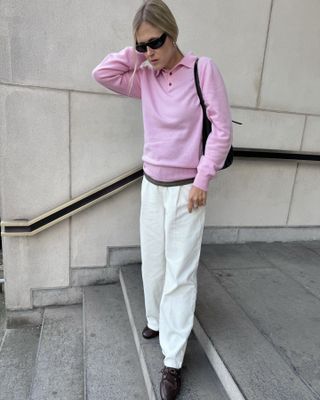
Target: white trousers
x=170, y=249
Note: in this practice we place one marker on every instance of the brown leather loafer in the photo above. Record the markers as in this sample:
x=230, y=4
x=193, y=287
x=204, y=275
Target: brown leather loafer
x=170, y=383
x=148, y=333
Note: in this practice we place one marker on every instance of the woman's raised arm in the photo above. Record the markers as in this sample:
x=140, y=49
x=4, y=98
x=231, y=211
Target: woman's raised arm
x=119, y=72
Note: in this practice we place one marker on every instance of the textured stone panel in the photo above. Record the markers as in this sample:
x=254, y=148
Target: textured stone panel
x=35, y=151
x=113, y=222
x=233, y=34
x=306, y=197
x=17, y=360
x=107, y=136
x=93, y=276
x=251, y=193
x=5, y=56
x=36, y=262
x=59, y=370
x=109, y=347
x=56, y=297
x=124, y=256
x=284, y=312
x=267, y=130
x=278, y=234
x=311, y=139
x=295, y=260
x=232, y=256
x=256, y=365
x=61, y=42
x=291, y=79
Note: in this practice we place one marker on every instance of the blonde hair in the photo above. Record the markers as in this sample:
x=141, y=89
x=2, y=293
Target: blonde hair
x=158, y=14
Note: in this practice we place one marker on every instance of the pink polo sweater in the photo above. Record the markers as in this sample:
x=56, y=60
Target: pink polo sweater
x=172, y=114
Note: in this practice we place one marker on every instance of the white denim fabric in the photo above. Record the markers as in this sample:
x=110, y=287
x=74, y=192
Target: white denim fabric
x=170, y=249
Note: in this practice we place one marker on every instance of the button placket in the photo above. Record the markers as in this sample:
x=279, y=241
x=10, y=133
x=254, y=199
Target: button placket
x=170, y=82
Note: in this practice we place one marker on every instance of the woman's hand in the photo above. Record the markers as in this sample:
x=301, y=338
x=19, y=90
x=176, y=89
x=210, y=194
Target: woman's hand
x=197, y=198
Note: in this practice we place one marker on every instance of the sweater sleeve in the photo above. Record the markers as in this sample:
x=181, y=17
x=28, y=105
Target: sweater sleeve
x=218, y=111
x=117, y=72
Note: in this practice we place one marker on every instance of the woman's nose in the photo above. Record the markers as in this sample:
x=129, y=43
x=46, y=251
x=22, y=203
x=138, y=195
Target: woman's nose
x=149, y=51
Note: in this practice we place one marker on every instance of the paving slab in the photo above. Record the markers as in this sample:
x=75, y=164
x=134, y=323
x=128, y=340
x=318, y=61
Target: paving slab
x=17, y=359
x=199, y=381
x=314, y=245
x=298, y=260
x=59, y=367
x=259, y=370
x=232, y=256
x=111, y=360
x=284, y=312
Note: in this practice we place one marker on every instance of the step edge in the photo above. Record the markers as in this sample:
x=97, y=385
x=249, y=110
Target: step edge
x=84, y=345
x=34, y=369
x=143, y=364
x=224, y=375
x=3, y=339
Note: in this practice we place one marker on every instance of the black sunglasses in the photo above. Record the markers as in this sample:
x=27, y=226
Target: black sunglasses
x=153, y=44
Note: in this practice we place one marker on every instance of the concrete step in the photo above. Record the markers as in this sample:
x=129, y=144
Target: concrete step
x=18, y=350
x=59, y=366
x=233, y=312
x=112, y=366
x=199, y=381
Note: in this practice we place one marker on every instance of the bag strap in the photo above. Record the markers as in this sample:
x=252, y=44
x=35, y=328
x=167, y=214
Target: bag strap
x=196, y=78
x=206, y=123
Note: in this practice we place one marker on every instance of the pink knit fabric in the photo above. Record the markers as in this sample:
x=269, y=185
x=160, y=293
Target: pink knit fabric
x=172, y=114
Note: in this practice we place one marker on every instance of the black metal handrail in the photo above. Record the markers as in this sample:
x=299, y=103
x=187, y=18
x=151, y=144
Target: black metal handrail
x=31, y=227
x=276, y=154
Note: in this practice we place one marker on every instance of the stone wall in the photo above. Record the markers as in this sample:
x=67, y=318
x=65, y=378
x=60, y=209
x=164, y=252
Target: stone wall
x=62, y=134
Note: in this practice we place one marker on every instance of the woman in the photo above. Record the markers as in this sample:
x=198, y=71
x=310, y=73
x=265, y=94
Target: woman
x=176, y=174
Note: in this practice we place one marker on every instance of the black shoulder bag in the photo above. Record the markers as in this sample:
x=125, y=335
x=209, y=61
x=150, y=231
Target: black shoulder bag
x=207, y=125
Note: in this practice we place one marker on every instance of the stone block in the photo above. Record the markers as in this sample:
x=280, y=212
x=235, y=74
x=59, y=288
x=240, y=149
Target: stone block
x=251, y=193
x=17, y=319
x=35, y=151
x=213, y=234
x=5, y=47
x=124, y=255
x=113, y=222
x=37, y=262
x=61, y=54
x=306, y=196
x=106, y=139
x=94, y=276
x=291, y=73
x=233, y=34
x=56, y=297
x=267, y=130
x=278, y=233
x=60, y=43
x=311, y=138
